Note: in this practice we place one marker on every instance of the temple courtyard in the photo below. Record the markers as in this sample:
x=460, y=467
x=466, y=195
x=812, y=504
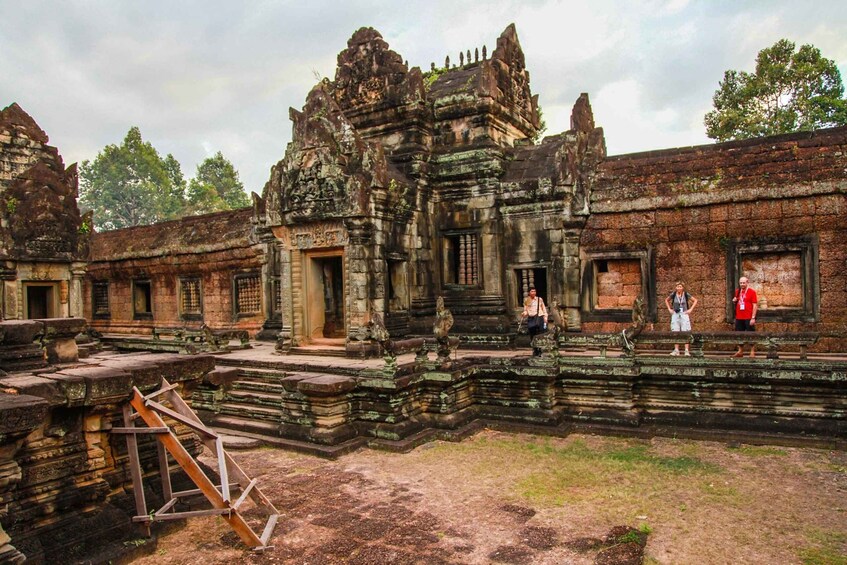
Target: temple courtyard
x=500, y=497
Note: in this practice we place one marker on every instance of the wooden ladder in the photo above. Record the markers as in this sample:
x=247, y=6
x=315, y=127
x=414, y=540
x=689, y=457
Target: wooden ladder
x=151, y=409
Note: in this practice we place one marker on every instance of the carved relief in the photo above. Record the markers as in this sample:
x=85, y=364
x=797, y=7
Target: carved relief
x=312, y=236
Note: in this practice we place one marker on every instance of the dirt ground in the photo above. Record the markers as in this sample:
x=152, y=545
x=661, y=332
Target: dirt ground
x=506, y=498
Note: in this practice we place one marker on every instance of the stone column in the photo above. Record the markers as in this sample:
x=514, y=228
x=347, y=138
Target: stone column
x=358, y=257
x=571, y=268
x=76, y=302
x=270, y=277
x=8, y=292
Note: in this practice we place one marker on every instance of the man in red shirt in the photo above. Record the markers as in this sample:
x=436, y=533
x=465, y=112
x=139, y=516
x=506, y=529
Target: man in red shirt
x=746, y=304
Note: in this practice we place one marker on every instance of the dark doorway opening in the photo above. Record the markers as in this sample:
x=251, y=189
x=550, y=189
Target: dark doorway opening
x=40, y=301
x=332, y=282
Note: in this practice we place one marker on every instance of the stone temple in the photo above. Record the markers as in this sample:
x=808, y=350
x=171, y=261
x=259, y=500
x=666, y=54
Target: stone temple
x=406, y=197
x=400, y=186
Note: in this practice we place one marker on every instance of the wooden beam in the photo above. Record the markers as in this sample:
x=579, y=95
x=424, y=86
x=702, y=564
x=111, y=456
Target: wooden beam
x=221, y=454
x=168, y=505
x=193, y=470
x=132, y=430
x=134, y=464
x=225, y=512
x=165, y=388
x=244, y=494
x=197, y=427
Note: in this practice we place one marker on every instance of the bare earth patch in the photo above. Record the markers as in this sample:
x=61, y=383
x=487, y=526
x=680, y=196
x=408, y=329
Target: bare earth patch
x=505, y=498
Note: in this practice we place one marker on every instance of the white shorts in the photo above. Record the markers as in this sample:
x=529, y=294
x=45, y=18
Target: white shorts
x=680, y=322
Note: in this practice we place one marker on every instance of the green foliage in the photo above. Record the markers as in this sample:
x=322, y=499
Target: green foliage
x=542, y=127
x=215, y=187
x=433, y=75
x=11, y=205
x=789, y=91
x=130, y=184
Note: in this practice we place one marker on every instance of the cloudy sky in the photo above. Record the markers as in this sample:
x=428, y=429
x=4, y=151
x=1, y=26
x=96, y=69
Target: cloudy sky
x=199, y=77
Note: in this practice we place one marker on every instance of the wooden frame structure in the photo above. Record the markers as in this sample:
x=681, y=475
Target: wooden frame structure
x=152, y=409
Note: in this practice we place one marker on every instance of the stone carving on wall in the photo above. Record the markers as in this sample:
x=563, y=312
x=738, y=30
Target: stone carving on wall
x=369, y=72
x=314, y=235
x=328, y=170
x=41, y=211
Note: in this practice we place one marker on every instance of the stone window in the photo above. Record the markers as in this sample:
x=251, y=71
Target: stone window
x=611, y=281
x=248, y=294
x=784, y=274
x=461, y=259
x=277, y=289
x=142, y=300
x=190, y=299
x=100, y=299
x=525, y=278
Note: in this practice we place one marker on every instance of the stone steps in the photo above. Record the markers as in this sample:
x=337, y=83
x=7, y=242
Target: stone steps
x=316, y=352
x=262, y=428
x=250, y=410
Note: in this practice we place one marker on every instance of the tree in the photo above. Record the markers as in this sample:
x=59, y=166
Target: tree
x=131, y=185
x=216, y=186
x=790, y=91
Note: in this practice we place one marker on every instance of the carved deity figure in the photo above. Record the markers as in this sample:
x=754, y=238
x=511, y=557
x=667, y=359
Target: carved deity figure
x=639, y=322
x=443, y=319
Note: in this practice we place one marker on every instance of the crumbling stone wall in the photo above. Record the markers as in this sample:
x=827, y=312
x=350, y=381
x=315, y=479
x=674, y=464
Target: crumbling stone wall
x=772, y=209
x=64, y=479
x=43, y=236
x=212, y=248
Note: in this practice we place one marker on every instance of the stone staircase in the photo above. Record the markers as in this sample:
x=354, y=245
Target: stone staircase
x=253, y=403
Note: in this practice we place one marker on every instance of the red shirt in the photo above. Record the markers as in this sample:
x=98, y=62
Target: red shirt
x=747, y=298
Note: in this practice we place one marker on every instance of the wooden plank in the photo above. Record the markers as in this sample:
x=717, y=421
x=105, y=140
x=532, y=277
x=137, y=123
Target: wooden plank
x=194, y=472
x=168, y=505
x=197, y=427
x=269, y=529
x=192, y=492
x=256, y=494
x=219, y=448
x=134, y=464
x=164, y=471
x=225, y=512
x=163, y=390
x=132, y=430
x=244, y=494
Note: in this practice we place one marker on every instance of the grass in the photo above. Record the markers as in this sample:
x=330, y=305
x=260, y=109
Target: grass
x=759, y=451
x=825, y=547
x=556, y=474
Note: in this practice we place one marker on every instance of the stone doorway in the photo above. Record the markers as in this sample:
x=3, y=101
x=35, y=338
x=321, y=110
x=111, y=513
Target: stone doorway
x=324, y=301
x=40, y=300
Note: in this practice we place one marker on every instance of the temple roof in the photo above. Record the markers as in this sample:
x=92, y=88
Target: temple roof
x=191, y=234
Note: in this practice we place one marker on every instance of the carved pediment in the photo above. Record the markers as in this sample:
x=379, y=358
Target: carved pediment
x=42, y=215
x=328, y=170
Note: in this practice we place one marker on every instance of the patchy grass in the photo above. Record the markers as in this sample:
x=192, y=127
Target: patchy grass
x=825, y=547
x=759, y=450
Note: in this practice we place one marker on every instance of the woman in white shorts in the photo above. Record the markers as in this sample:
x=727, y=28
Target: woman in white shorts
x=680, y=304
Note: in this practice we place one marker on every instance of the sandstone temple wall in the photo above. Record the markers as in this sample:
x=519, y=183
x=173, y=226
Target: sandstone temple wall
x=772, y=209
x=65, y=484
x=184, y=273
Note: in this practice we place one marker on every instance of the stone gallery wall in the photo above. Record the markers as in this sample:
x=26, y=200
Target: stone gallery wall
x=65, y=486
x=200, y=269
x=771, y=209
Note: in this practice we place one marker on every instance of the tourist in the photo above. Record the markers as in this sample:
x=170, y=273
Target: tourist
x=680, y=304
x=746, y=304
x=535, y=313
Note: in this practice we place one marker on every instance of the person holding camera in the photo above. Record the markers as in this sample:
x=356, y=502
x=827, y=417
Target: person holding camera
x=680, y=304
